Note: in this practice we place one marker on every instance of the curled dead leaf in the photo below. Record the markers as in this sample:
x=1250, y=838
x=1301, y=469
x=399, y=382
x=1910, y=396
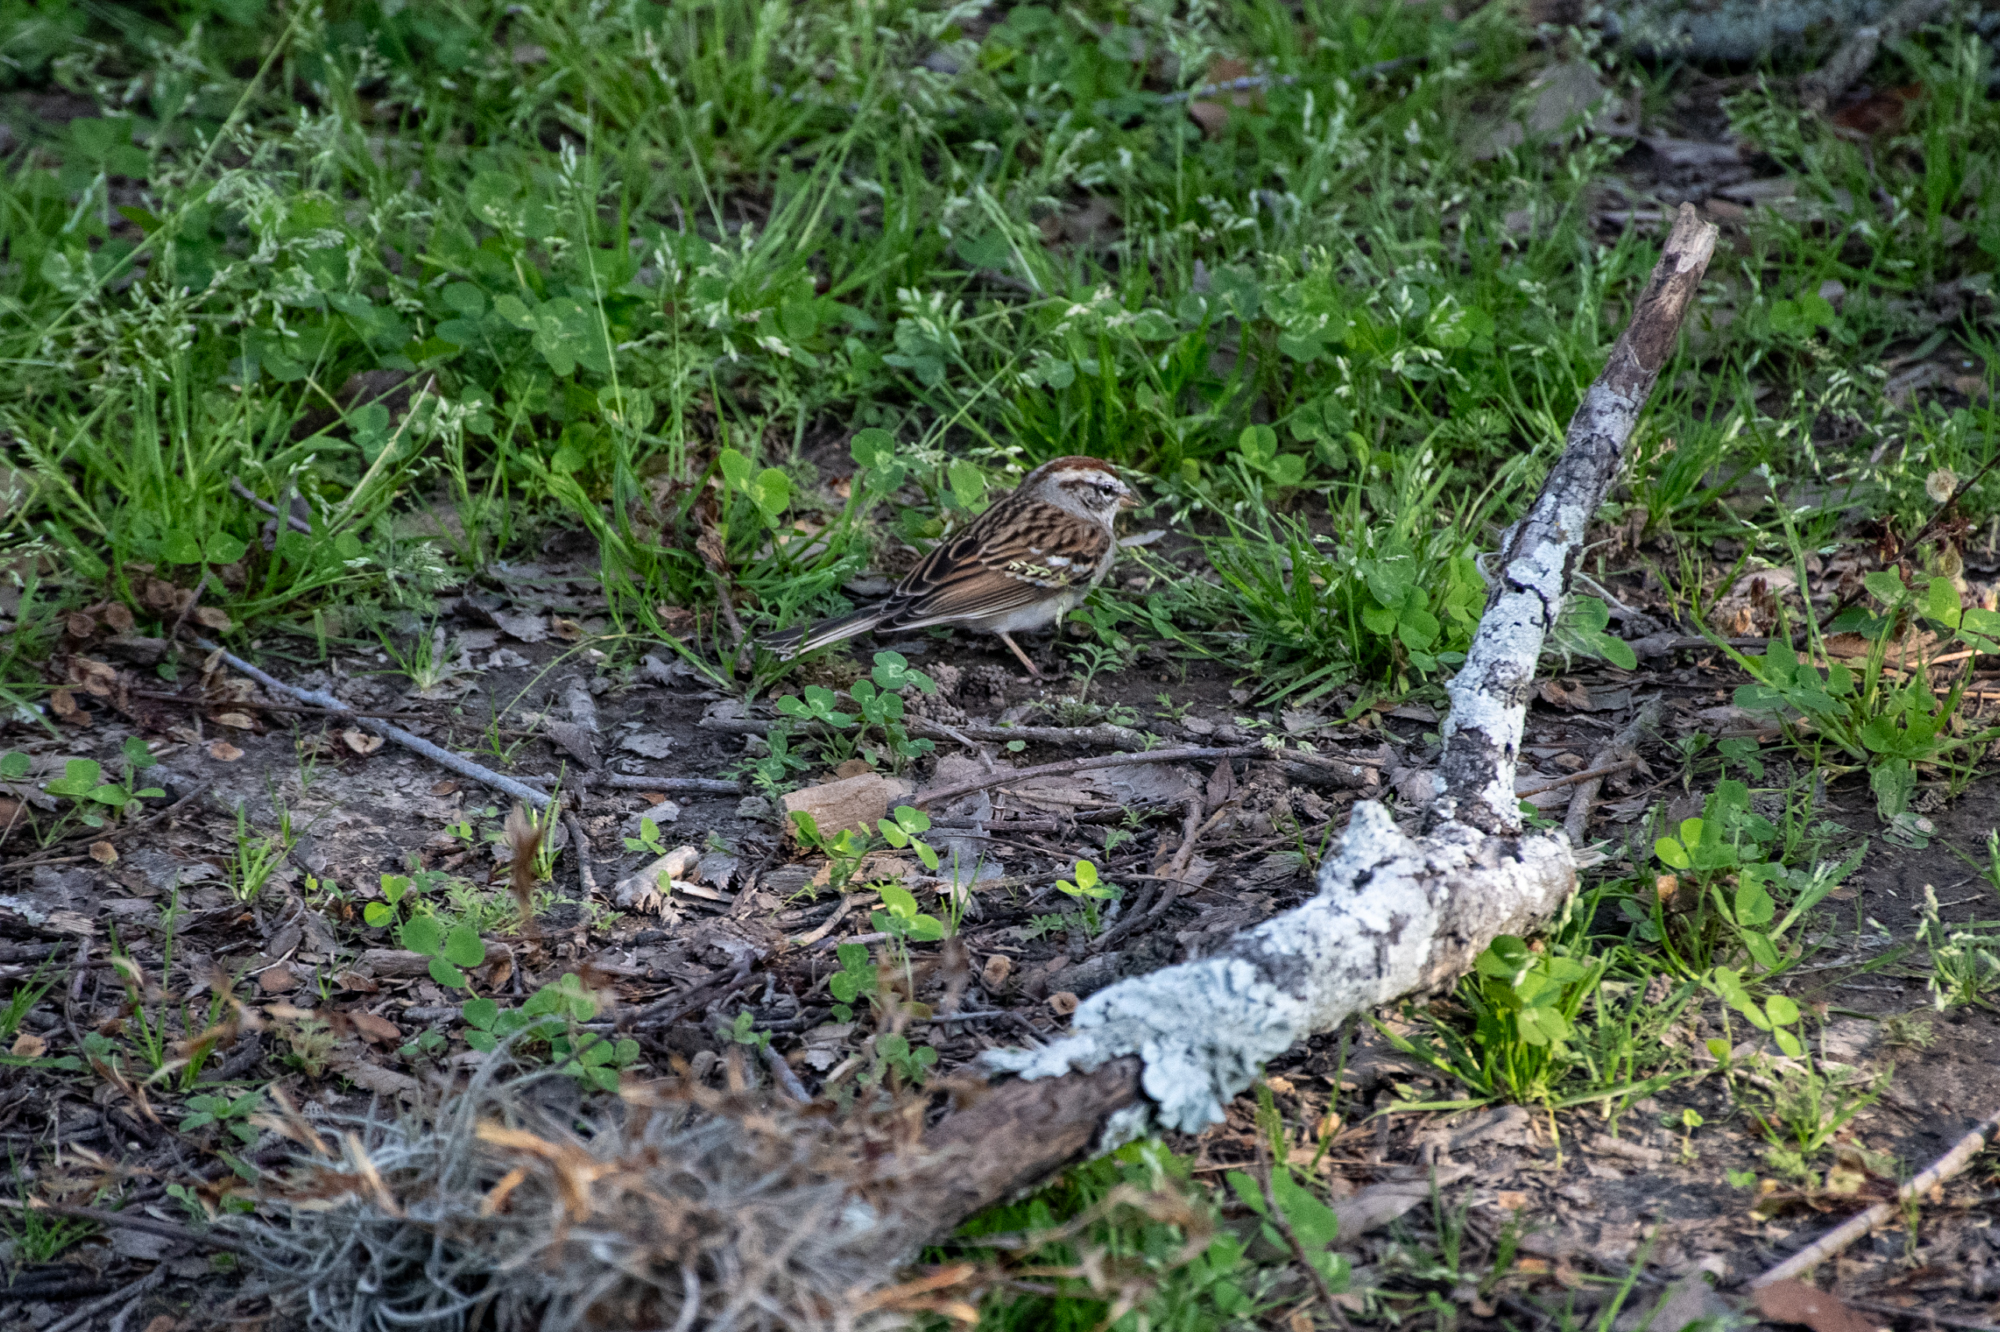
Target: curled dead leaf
x=379, y=1030
x=236, y=721
x=360, y=741
x=569, y=631
x=213, y=617
x=223, y=752
x=119, y=617
x=996, y=971
x=79, y=625
x=27, y=1045
x=104, y=853
x=97, y=678
x=1062, y=1003
x=63, y=703
x=1796, y=1302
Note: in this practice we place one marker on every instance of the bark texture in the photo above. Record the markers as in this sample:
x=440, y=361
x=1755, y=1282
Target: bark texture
x=1490, y=693
x=1395, y=915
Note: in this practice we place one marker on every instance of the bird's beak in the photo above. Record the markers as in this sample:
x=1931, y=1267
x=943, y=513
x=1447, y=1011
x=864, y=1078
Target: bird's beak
x=1128, y=501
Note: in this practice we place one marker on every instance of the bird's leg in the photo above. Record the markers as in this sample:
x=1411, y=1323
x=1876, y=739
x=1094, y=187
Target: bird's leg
x=1015, y=648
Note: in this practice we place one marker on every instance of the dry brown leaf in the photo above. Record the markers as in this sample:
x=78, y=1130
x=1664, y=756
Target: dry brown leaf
x=1796, y=1302
x=996, y=971
x=377, y=1029
x=223, y=752
x=1062, y=1003
x=27, y=1045
x=277, y=980
x=360, y=741
x=97, y=678
x=79, y=625
x=237, y=721
x=119, y=617
x=63, y=703
x=569, y=631
x=374, y=1078
x=104, y=853
x=444, y=788
x=1512, y=1200
x=213, y=617
x=355, y=981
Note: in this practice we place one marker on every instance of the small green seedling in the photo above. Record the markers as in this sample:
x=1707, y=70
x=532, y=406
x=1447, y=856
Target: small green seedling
x=902, y=831
x=743, y=1031
x=893, y=1053
x=450, y=950
x=856, y=979
x=384, y=913
x=1777, y=1014
x=901, y=919
x=222, y=1110
x=1086, y=884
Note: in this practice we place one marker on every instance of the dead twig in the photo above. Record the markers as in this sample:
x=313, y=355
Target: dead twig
x=1068, y=766
x=1175, y=878
x=194, y=599
x=100, y=835
x=665, y=785
x=666, y=1012
x=1948, y=1166
x=444, y=758
x=1621, y=753
x=250, y=497
x=1284, y=1225
x=255, y=705
x=782, y=1074
x=150, y=1225
x=585, y=878
x=111, y=1301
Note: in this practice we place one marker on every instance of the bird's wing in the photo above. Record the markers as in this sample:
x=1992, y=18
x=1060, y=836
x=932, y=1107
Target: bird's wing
x=1003, y=561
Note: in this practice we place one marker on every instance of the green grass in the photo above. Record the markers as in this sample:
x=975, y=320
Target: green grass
x=603, y=249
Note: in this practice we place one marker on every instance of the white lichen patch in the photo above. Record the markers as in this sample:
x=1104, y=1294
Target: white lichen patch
x=1393, y=915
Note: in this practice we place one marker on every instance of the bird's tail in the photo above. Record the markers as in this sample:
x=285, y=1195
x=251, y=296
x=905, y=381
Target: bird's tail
x=791, y=642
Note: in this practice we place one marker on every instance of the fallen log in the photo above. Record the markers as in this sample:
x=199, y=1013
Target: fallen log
x=1395, y=914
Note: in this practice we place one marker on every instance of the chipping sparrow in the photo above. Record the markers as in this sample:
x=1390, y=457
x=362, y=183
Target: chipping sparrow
x=1020, y=565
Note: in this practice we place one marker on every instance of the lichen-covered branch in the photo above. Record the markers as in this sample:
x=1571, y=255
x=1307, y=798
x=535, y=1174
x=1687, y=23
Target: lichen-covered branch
x=1395, y=915
x=1489, y=695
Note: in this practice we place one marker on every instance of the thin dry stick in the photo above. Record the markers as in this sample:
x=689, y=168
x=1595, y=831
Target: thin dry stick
x=1948, y=1166
x=1068, y=766
x=249, y=496
x=255, y=705
x=121, y=1221
x=1621, y=752
x=666, y=785
x=1298, y=1248
x=111, y=1301
x=1489, y=694
x=1175, y=877
x=1610, y=769
x=444, y=758
x=781, y=1073
x=585, y=878
x=194, y=599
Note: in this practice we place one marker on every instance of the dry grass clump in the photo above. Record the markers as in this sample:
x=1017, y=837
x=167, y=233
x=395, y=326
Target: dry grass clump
x=512, y=1205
